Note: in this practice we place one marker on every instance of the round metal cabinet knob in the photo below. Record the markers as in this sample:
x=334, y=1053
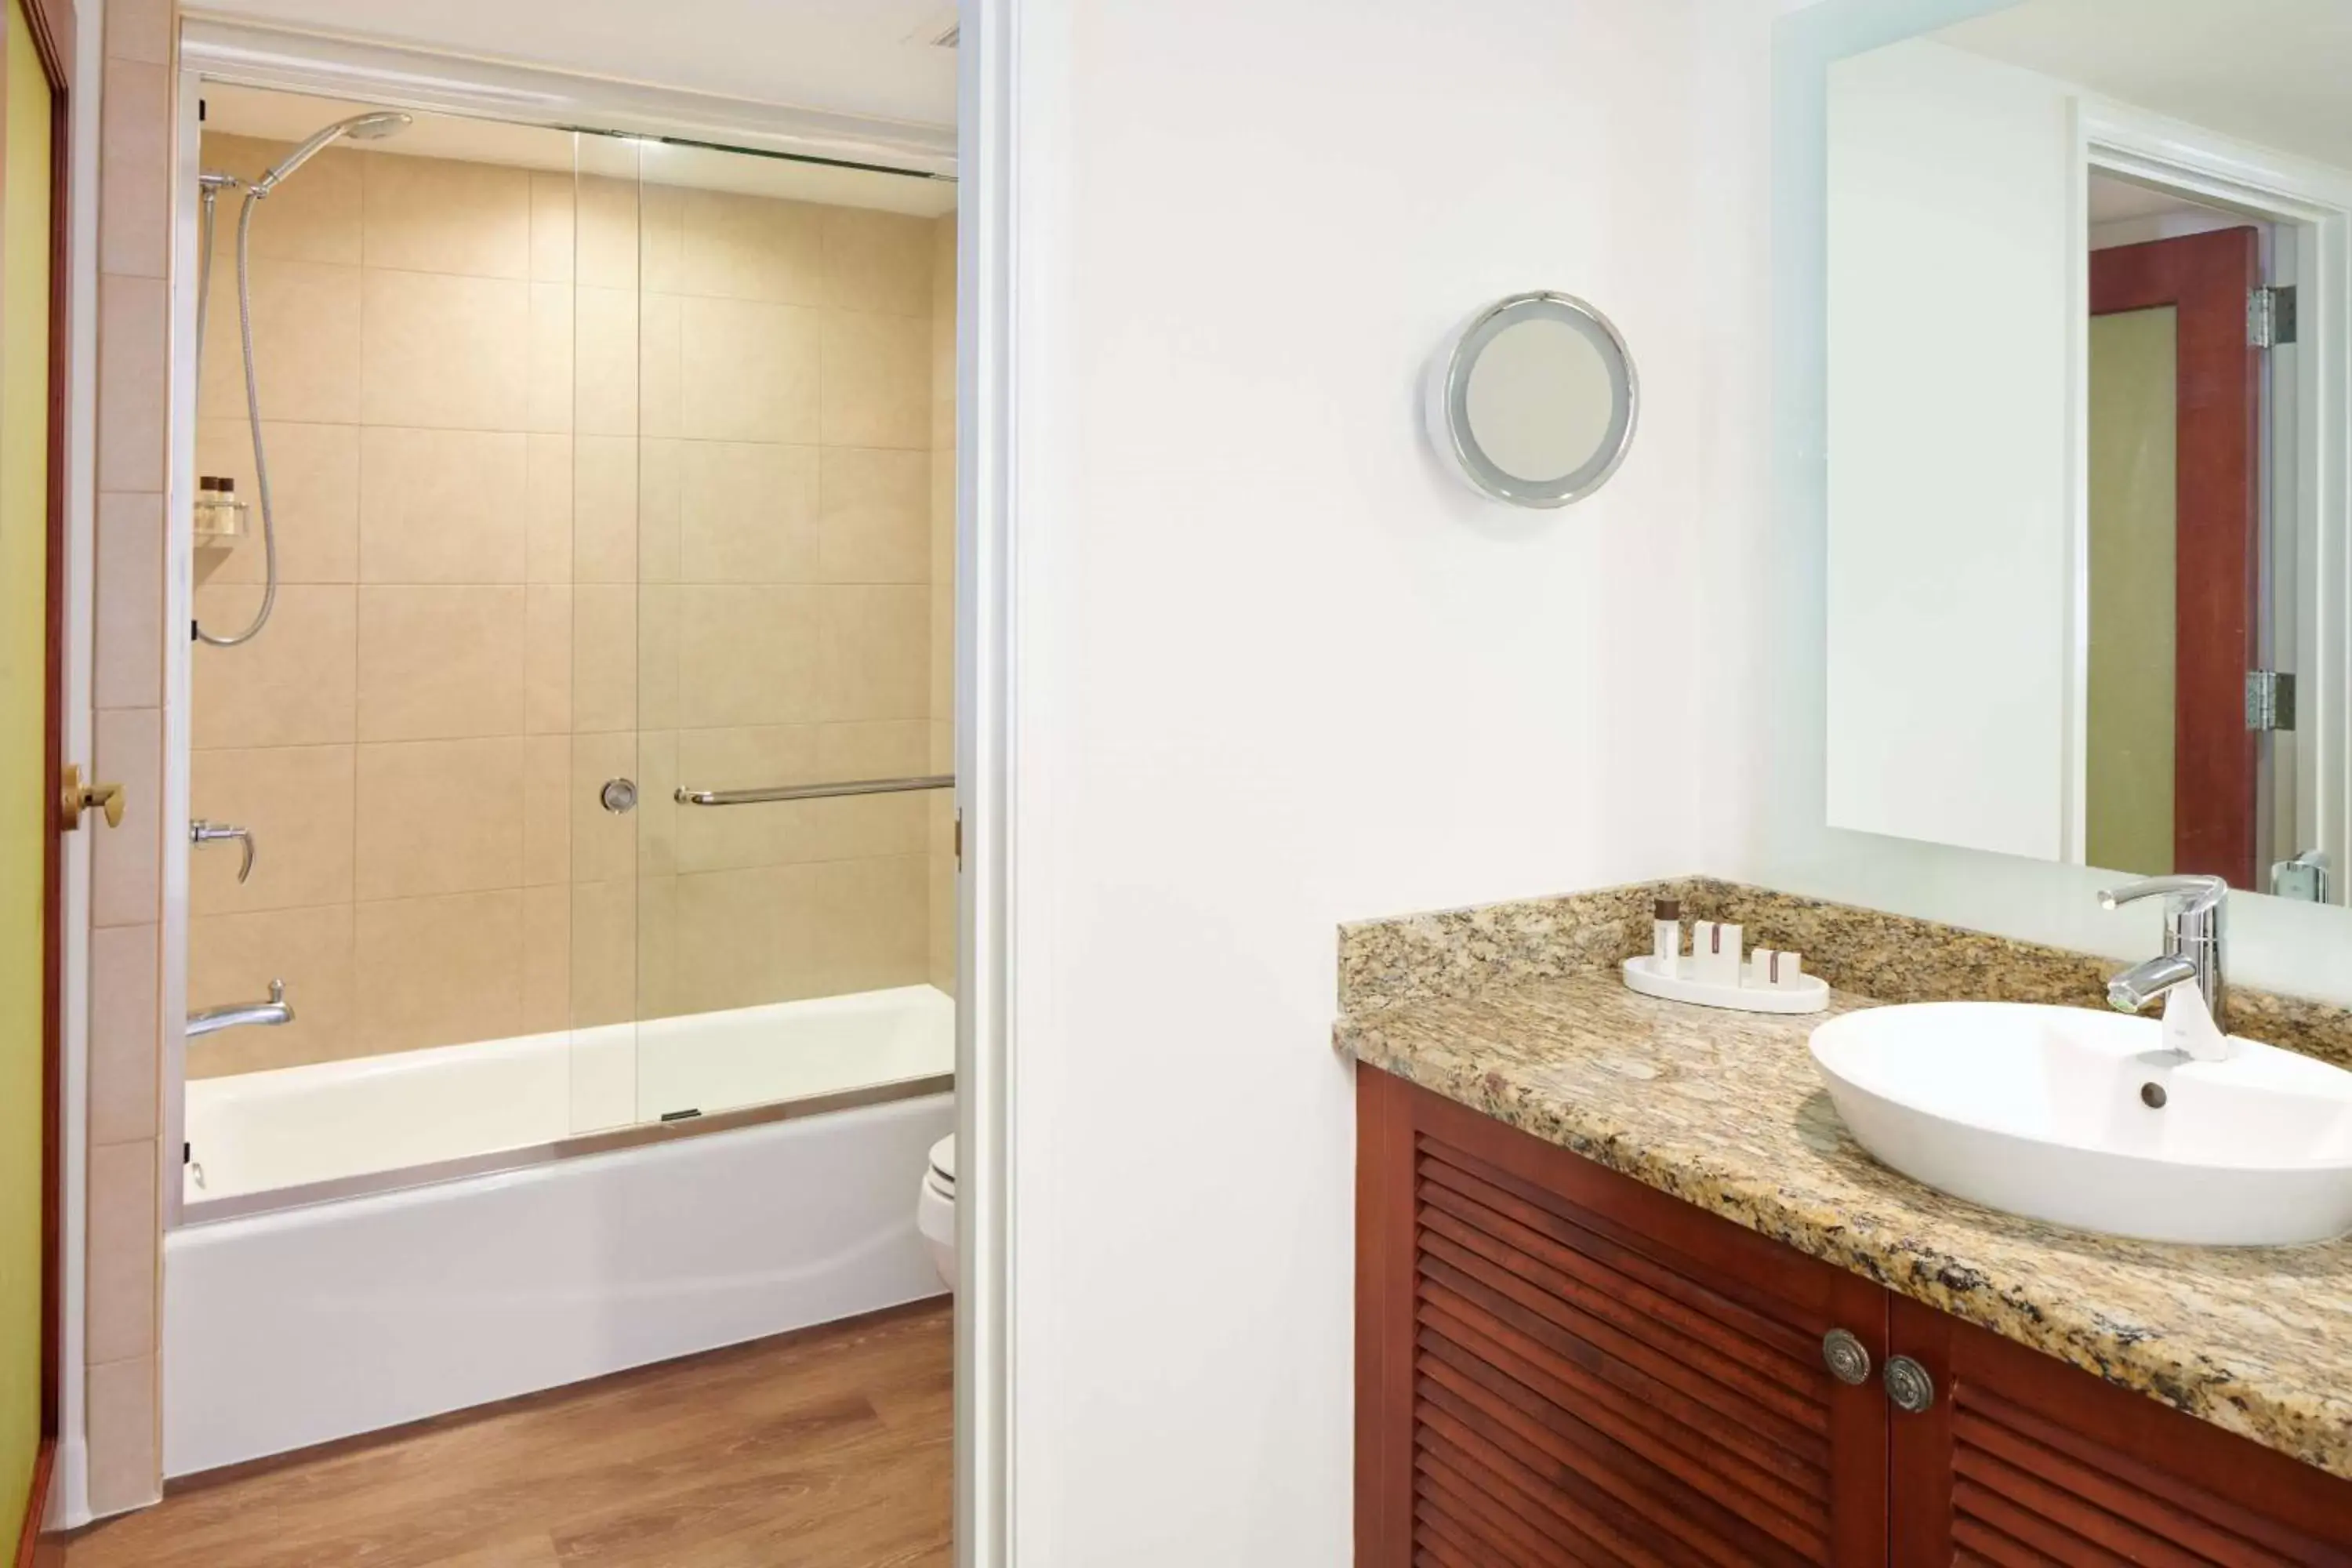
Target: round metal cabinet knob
x=1847, y=1357
x=619, y=795
x=1908, y=1384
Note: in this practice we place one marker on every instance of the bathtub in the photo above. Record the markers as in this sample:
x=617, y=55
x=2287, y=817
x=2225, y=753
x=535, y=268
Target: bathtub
x=369, y=1242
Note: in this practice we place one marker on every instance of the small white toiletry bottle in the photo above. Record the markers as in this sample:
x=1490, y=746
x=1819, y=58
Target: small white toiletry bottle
x=1788, y=968
x=1667, y=935
x=1727, y=955
x=1714, y=952
x=1761, y=965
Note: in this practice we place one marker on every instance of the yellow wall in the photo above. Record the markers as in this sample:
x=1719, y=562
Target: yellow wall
x=2129, y=785
x=23, y=787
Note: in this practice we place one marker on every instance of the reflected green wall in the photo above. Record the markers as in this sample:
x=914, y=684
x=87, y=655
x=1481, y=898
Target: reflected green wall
x=2128, y=717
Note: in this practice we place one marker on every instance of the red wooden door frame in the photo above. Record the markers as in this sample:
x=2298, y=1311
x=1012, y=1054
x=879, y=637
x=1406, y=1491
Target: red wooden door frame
x=2206, y=277
x=52, y=26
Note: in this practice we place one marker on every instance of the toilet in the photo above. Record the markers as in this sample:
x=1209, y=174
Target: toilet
x=935, y=1209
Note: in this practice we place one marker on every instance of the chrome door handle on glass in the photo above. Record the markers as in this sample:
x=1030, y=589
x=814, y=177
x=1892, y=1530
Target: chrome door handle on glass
x=202, y=832
x=685, y=796
x=238, y=1015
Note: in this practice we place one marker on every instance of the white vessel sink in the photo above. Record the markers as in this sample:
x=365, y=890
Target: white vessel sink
x=2044, y=1112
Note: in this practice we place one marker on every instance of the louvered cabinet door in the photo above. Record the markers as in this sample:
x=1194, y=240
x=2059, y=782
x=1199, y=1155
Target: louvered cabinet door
x=2021, y=1460
x=1557, y=1365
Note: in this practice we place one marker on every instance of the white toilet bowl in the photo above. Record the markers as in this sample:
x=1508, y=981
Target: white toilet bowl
x=935, y=1209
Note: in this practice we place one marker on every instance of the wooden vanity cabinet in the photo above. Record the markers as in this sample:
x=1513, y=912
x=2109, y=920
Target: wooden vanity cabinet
x=2022, y=1458
x=1558, y=1365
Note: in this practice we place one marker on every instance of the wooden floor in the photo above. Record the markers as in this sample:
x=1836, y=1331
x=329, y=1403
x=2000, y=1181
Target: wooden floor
x=832, y=1448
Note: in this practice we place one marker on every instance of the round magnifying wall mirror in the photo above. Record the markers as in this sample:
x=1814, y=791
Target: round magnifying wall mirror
x=1532, y=400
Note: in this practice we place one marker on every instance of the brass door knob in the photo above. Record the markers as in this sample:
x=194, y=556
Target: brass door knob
x=76, y=797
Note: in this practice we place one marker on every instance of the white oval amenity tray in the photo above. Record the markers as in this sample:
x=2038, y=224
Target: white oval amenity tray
x=1647, y=975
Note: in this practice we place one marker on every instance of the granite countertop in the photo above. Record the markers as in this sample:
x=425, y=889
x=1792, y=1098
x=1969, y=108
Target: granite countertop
x=1724, y=1110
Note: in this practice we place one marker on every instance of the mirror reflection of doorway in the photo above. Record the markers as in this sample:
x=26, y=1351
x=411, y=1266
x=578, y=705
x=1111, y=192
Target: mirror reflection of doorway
x=2170, y=774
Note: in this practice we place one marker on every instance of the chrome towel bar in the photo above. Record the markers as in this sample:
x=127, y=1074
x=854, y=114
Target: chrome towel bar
x=812, y=792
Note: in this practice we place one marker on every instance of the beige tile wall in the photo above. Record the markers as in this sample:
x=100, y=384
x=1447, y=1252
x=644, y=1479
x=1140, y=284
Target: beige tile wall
x=127, y=1027
x=574, y=482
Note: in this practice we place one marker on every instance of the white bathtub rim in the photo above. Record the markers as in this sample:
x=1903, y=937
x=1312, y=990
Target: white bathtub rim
x=268, y=1082
x=444, y=1112
x=527, y=1162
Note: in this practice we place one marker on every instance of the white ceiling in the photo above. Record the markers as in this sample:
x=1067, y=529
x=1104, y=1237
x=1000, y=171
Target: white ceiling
x=851, y=56
x=292, y=116
x=2112, y=199
x=2276, y=73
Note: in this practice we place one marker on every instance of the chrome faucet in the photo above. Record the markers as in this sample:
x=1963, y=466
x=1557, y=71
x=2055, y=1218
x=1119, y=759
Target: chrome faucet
x=2193, y=944
x=237, y=1014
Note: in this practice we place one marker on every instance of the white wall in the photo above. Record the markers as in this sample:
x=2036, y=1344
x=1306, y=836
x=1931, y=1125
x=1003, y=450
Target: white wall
x=1278, y=672
x=1955, y=261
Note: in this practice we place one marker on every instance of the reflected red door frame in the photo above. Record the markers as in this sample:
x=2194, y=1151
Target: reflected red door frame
x=2207, y=279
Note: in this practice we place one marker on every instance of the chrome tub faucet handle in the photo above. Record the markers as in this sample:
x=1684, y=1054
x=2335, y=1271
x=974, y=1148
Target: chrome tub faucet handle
x=201, y=831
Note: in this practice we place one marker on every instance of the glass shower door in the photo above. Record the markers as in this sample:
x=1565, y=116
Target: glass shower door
x=611, y=772
x=604, y=467
x=794, y=522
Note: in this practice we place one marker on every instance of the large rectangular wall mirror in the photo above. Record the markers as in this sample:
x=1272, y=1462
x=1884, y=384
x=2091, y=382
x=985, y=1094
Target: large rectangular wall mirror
x=2088, y=552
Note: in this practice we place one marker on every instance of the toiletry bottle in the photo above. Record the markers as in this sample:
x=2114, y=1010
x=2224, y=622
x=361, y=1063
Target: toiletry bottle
x=1723, y=956
x=220, y=517
x=1666, y=935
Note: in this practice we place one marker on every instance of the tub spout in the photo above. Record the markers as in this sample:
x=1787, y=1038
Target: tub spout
x=237, y=1014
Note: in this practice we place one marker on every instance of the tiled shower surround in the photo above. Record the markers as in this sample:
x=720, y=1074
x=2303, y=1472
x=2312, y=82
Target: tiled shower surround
x=576, y=480
x=122, y=1238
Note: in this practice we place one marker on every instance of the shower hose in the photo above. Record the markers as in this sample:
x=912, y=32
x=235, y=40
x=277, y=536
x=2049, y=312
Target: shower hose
x=252, y=401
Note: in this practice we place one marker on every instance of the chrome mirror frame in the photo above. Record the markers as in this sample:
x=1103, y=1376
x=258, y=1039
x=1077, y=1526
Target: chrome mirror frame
x=1447, y=391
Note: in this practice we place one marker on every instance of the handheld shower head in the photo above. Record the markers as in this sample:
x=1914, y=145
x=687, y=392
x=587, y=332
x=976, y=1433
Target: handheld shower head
x=375, y=127
x=372, y=127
